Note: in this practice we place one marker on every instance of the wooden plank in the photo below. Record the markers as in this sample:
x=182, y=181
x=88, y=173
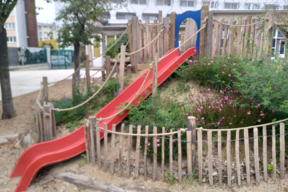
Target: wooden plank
x=189, y=156
x=229, y=169
x=121, y=151
x=191, y=121
x=204, y=11
x=45, y=91
x=171, y=154
x=105, y=147
x=200, y=156
x=122, y=68
x=98, y=144
x=172, y=29
x=141, y=53
x=182, y=41
x=179, y=157
x=86, y=132
x=247, y=36
x=162, y=154
x=154, y=153
x=166, y=35
x=220, y=158
x=45, y=122
x=137, y=152
x=224, y=48
x=161, y=49
x=215, y=38
x=247, y=156
x=219, y=38
x=232, y=38
x=155, y=33
x=155, y=74
x=267, y=44
x=145, y=152
x=129, y=151
x=210, y=157
x=257, y=38
x=87, y=70
x=265, y=153
x=145, y=36
x=130, y=42
x=135, y=42
x=108, y=65
x=92, y=121
x=282, y=150
x=112, y=149
x=209, y=35
x=237, y=158
x=150, y=39
x=52, y=121
x=252, y=39
x=274, y=152
x=256, y=155
x=147, y=32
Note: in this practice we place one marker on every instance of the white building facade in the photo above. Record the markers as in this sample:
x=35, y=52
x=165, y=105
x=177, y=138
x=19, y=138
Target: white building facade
x=46, y=31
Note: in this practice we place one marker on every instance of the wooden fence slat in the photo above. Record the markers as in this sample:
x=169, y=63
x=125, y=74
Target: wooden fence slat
x=210, y=168
x=129, y=151
x=137, y=152
x=98, y=144
x=247, y=35
x=237, y=157
x=122, y=68
x=108, y=65
x=135, y=42
x=220, y=158
x=239, y=37
x=145, y=153
x=215, y=38
x=92, y=121
x=41, y=124
x=282, y=150
x=86, y=132
x=145, y=34
x=112, y=149
x=209, y=35
x=204, y=11
x=162, y=154
x=105, y=147
x=166, y=35
x=171, y=154
x=154, y=153
x=154, y=44
x=265, y=153
x=121, y=151
x=189, y=151
x=182, y=41
x=229, y=170
x=200, y=156
x=232, y=38
x=224, y=51
x=191, y=121
x=179, y=157
x=172, y=29
x=247, y=156
x=141, y=53
x=155, y=74
x=219, y=38
x=256, y=154
x=160, y=51
x=252, y=39
x=274, y=153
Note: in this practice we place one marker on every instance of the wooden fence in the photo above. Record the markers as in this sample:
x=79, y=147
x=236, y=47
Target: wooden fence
x=205, y=154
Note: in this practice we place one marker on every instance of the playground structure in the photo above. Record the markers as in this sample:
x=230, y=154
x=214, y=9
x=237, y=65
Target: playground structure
x=147, y=46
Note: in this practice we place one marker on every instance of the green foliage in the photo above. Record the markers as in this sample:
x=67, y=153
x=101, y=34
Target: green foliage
x=82, y=162
x=270, y=168
x=6, y=8
x=171, y=180
x=115, y=50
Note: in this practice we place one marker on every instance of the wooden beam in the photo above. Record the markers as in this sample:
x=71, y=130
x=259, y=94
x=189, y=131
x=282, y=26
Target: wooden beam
x=172, y=29
x=135, y=43
x=155, y=74
x=204, y=11
x=87, y=68
x=122, y=68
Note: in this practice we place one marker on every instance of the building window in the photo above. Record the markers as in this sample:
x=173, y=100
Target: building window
x=163, y=2
x=9, y=25
x=251, y=6
x=11, y=39
x=140, y=2
x=40, y=33
x=231, y=6
x=206, y=3
x=39, y=28
x=125, y=16
x=149, y=17
x=106, y=16
x=271, y=6
x=40, y=39
x=187, y=3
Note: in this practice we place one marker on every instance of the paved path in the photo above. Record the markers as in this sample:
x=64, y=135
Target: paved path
x=23, y=82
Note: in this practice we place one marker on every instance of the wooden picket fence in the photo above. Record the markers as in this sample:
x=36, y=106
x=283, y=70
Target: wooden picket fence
x=195, y=161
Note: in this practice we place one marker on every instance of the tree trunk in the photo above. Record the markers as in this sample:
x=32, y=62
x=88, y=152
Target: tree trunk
x=7, y=102
x=76, y=76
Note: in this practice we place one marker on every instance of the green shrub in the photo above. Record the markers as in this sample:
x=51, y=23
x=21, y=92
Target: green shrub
x=115, y=50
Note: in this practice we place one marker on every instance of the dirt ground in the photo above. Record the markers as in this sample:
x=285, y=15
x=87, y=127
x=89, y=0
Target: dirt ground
x=46, y=180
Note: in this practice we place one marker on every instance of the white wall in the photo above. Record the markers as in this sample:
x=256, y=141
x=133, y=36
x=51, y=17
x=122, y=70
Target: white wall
x=20, y=24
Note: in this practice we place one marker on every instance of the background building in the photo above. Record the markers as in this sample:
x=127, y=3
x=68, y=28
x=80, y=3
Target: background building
x=46, y=31
x=21, y=25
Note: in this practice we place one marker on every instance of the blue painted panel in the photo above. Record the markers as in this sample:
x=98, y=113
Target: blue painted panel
x=196, y=15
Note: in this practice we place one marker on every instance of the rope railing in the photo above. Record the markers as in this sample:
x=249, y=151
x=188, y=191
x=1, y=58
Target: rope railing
x=231, y=25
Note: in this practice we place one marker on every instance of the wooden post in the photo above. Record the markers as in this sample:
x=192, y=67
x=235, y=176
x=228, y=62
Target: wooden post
x=220, y=158
x=247, y=36
x=219, y=38
x=237, y=157
x=45, y=91
x=140, y=38
x=247, y=156
x=179, y=157
x=129, y=151
x=160, y=44
x=155, y=74
x=229, y=169
x=172, y=29
x=182, y=41
x=130, y=43
x=98, y=144
x=108, y=65
x=265, y=153
x=154, y=35
x=232, y=37
x=154, y=153
x=256, y=154
x=92, y=121
x=239, y=37
x=87, y=67
x=189, y=160
x=137, y=152
x=112, y=149
x=215, y=39
x=210, y=166
x=105, y=147
x=135, y=42
x=192, y=128
x=171, y=153
x=121, y=151
x=224, y=51
x=282, y=150
x=122, y=68
x=204, y=11
x=209, y=35
x=52, y=121
x=48, y=131
x=86, y=132
x=267, y=45
x=145, y=152
x=145, y=40
x=200, y=156
x=274, y=152
x=166, y=35
x=103, y=74
x=162, y=154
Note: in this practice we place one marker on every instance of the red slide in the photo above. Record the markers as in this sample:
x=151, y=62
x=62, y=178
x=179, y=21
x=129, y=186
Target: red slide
x=50, y=152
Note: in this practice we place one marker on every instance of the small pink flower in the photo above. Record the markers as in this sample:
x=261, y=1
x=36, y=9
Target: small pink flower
x=234, y=64
x=186, y=114
x=140, y=146
x=208, y=63
x=230, y=123
x=190, y=61
x=235, y=115
x=228, y=57
x=218, y=123
x=179, y=104
x=209, y=107
x=174, y=140
x=158, y=140
x=259, y=120
x=168, y=100
x=223, y=72
x=241, y=122
x=224, y=65
x=211, y=61
x=220, y=109
x=148, y=144
x=202, y=118
x=158, y=145
x=251, y=98
x=208, y=89
x=229, y=75
x=248, y=113
x=273, y=111
x=153, y=123
x=133, y=126
x=226, y=97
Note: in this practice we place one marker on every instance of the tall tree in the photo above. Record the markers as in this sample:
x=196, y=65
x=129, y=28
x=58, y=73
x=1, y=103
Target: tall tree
x=79, y=20
x=6, y=6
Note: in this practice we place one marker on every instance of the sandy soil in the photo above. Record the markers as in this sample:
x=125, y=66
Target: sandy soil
x=46, y=180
